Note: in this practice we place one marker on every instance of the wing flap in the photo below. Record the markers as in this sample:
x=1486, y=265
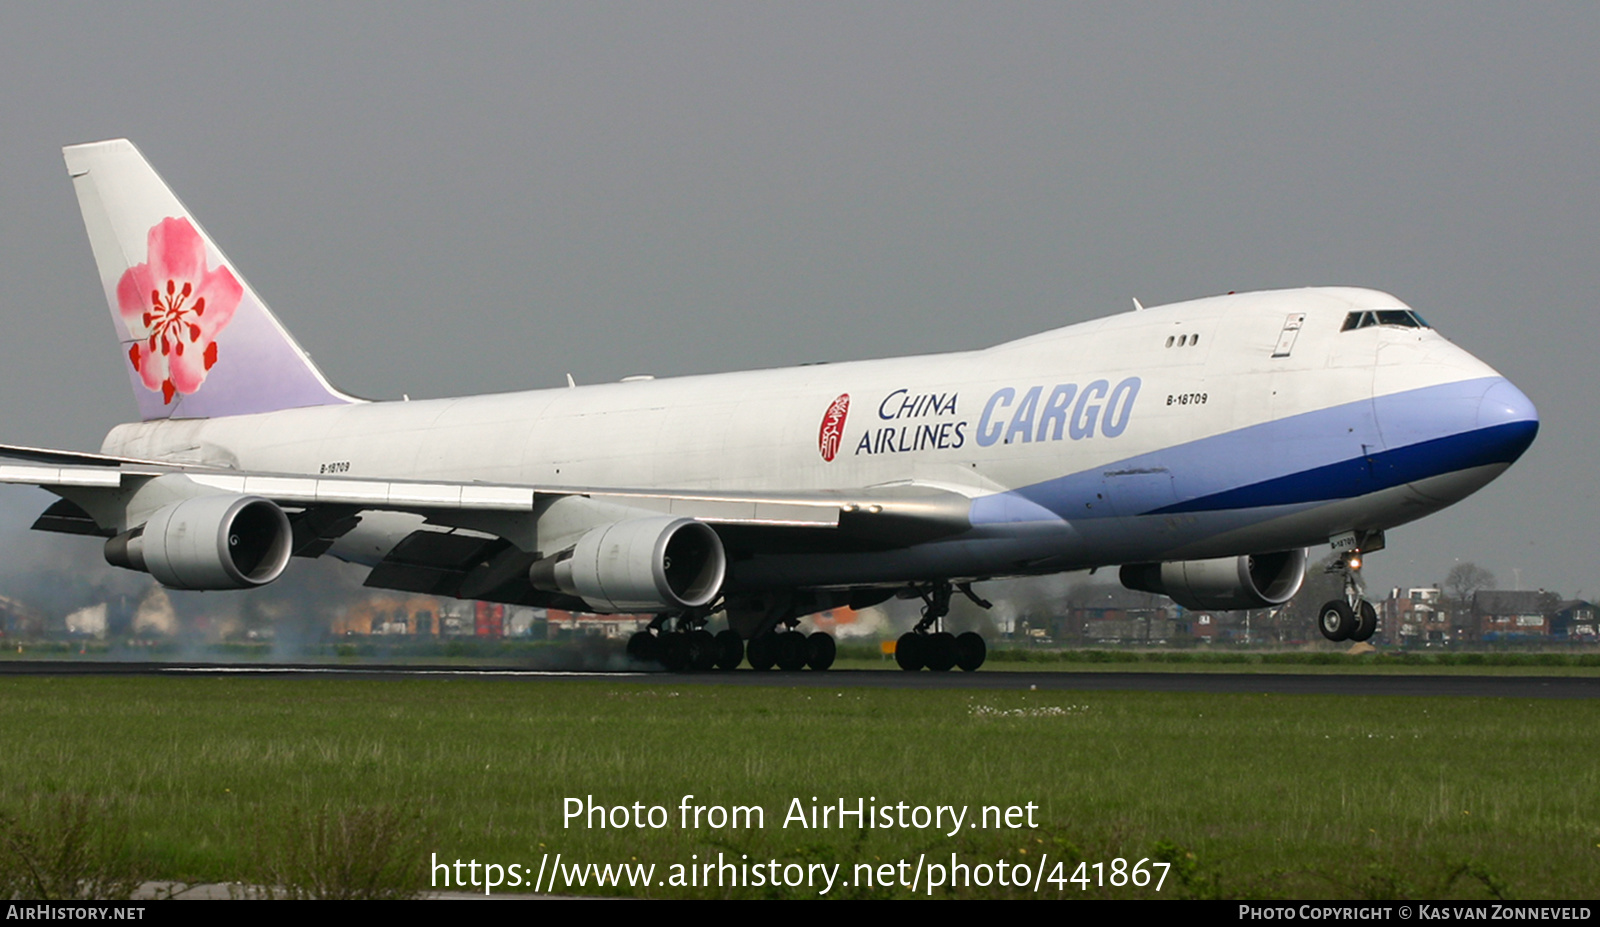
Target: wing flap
x=66, y=517
x=431, y=562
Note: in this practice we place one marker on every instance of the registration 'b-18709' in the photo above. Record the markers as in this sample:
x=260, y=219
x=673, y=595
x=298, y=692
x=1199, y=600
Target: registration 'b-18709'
x=1202, y=447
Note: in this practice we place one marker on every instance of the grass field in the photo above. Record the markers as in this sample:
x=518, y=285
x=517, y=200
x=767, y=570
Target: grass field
x=277, y=781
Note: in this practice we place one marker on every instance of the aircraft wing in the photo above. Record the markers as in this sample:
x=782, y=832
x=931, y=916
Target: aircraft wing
x=471, y=526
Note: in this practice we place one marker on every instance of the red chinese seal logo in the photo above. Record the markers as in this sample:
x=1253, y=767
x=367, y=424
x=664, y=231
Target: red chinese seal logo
x=832, y=431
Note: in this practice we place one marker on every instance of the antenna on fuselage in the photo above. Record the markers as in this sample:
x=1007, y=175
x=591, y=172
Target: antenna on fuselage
x=1137, y=306
x=570, y=382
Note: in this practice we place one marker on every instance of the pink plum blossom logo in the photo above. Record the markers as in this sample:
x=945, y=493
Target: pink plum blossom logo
x=175, y=306
x=832, y=430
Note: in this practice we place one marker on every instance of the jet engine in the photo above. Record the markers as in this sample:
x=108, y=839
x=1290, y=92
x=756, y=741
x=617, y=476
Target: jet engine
x=644, y=564
x=1251, y=581
x=208, y=542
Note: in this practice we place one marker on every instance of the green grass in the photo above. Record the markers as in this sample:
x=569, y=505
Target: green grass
x=1256, y=796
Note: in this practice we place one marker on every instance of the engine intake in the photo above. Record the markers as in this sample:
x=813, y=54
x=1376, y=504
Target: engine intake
x=1227, y=583
x=208, y=542
x=644, y=564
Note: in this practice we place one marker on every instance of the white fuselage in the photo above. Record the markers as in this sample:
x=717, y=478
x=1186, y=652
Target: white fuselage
x=1084, y=446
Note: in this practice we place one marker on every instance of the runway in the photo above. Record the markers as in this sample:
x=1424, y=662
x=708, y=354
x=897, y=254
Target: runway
x=1456, y=686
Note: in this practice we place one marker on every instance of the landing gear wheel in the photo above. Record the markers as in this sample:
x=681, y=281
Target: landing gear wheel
x=675, y=651
x=792, y=651
x=1366, y=622
x=970, y=651
x=702, y=651
x=762, y=651
x=820, y=651
x=909, y=651
x=1336, y=620
x=941, y=651
x=644, y=648
x=730, y=649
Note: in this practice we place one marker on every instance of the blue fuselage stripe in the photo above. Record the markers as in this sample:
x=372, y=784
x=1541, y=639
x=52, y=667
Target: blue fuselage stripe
x=1376, y=443
x=1383, y=470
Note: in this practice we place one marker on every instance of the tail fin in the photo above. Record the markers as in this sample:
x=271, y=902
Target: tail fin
x=198, y=341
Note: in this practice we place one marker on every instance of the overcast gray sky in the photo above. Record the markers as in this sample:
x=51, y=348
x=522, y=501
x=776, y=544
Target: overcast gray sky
x=442, y=200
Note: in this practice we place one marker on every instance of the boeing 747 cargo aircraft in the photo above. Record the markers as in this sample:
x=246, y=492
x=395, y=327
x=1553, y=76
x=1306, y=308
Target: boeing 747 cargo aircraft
x=1202, y=447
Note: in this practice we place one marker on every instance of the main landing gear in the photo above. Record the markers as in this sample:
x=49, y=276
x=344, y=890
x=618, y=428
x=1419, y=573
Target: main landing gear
x=940, y=650
x=791, y=650
x=681, y=643
x=1352, y=618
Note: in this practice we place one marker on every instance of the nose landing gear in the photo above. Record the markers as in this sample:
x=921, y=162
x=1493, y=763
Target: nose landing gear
x=1352, y=618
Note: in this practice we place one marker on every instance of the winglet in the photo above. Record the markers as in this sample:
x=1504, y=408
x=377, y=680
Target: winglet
x=197, y=340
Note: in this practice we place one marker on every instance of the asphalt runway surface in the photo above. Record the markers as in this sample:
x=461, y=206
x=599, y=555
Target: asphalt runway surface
x=1566, y=687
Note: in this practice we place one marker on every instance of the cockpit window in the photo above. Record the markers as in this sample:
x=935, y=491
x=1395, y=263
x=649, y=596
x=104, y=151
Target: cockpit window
x=1400, y=318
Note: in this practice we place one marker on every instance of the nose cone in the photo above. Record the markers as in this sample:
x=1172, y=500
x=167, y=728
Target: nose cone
x=1451, y=439
x=1507, y=422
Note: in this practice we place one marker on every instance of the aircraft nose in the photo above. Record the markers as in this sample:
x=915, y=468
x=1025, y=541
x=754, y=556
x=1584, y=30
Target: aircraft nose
x=1472, y=428
x=1507, y=420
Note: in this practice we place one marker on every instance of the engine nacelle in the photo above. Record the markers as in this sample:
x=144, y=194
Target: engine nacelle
x=1227, y=583
x=208, y=542
x=644, y=564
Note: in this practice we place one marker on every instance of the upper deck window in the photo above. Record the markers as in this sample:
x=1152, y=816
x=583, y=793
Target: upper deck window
x=1400, y=318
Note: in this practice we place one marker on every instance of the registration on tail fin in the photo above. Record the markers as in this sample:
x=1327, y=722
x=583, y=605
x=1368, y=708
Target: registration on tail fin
x=196, y=339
